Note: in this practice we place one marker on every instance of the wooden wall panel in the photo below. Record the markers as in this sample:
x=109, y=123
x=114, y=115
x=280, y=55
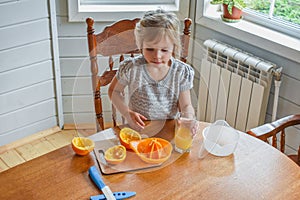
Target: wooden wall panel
x=76, y=86
x=75, y=67
x=67, y=44
x=27, y=88
x=27, y=116
x=289, y=87
x=87, y=118
x=25, y=55
x=22, y=34
x=26, y=96
x=32, y=128
x=26, y=11
x=84, y=103
x=80, y=66
x=25, y=76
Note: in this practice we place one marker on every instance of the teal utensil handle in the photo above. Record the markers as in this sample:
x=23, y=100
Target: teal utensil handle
x=95, y=176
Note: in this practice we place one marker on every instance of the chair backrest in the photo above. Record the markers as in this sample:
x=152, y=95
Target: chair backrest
x=270, y=130
x=117, y=40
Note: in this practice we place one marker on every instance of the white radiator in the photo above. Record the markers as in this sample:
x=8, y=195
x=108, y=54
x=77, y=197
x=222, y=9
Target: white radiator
x=235, y=86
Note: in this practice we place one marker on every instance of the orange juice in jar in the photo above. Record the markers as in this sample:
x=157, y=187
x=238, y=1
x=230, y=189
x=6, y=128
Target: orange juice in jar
x=183, y=139
x=185, y=123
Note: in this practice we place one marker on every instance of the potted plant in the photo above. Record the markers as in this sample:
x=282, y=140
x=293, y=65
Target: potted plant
x=232, y=9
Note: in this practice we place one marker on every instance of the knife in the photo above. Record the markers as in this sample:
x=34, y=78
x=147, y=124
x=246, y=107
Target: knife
x=107, y=193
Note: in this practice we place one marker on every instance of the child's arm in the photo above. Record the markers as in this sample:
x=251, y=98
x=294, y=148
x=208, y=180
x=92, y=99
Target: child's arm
x=134, y=119
x=185, y=103
x=115, y=91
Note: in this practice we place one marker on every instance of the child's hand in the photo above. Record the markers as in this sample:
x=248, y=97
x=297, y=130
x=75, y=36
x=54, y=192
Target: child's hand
x=135, y=120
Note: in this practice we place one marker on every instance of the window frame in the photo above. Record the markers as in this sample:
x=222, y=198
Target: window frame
x=273, y=23
x=101, y=13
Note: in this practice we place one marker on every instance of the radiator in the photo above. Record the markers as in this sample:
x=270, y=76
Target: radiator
x=235, y=86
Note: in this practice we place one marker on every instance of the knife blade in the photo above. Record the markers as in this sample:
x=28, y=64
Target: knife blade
x=118, y=195
x=95, y=176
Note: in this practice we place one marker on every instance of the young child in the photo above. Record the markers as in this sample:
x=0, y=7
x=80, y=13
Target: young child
x=159, y=85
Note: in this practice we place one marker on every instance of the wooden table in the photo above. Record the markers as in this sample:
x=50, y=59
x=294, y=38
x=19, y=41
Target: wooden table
x=255, y=171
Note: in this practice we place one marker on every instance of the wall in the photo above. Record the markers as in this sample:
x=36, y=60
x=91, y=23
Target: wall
x=27, y=89
x=75, y=70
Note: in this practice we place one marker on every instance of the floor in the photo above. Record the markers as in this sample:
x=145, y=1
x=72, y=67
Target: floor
x=19, y=152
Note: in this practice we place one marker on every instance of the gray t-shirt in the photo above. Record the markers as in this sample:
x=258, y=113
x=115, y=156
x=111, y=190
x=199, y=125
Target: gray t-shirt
x=155, y=99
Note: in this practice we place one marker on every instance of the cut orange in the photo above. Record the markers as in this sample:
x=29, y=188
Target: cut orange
x=152, y=150
x=115, y=155
x=82, y=146
x=127, y=135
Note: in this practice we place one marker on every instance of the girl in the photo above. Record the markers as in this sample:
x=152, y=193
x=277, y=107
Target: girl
x=158, y=84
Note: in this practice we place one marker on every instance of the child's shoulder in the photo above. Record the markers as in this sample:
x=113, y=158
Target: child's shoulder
x=130, y=63
x=182, y=66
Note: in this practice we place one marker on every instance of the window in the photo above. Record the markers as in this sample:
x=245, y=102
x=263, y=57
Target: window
x=113, y=10
x=125, y=2
x=281, y=42
x=280, y=15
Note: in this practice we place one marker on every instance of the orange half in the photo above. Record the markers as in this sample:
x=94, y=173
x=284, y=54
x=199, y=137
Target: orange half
x=115, y=155
x=127, y=135
x=152, y=150
x=82, y=146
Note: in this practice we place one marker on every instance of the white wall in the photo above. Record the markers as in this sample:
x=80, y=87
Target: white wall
x=27, y=90
x=75, y=69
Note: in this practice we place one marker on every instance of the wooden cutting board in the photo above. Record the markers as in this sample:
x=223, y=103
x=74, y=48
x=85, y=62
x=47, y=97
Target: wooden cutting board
x=131, y=163
x=109, y=138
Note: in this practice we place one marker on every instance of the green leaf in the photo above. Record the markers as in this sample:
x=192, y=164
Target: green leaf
x=229, y=8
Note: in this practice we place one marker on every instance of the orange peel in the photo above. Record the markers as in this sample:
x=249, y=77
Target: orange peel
x=127, y=135
x=82, y=145
x=152, y=150
x=115, y=154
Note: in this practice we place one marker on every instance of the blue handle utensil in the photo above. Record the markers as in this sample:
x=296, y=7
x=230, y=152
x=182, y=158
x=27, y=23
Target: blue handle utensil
x=107, y=193
x=118, y=196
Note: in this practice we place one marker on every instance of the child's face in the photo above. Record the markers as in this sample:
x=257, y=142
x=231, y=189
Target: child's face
x=158, y=52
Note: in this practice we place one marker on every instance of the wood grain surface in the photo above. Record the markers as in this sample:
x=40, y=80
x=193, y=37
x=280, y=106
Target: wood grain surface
x=256, y=170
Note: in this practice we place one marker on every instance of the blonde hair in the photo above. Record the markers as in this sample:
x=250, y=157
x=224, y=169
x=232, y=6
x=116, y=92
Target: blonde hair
x=158, y=24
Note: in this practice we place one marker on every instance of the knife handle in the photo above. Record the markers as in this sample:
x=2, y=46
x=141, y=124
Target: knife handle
x=95, y=176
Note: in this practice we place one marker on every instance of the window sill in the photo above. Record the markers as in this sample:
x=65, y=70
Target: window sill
x=111, y=13
x=254, y=34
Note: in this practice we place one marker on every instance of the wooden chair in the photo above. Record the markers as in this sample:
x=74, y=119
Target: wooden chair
x=117, y=40
x=271, y=129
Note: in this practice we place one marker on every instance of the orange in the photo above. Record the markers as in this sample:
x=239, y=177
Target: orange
x=127, y=135
x=82, y=146
x=152, y=150
x=115, y=155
